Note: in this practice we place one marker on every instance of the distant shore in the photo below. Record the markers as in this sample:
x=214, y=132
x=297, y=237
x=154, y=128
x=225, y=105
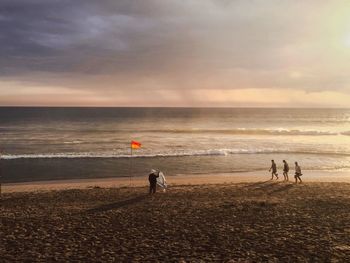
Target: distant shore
x=191, y=179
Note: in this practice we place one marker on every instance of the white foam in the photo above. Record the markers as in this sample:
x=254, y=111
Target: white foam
x=345, y=133
x=250, y=131
x=210, y=152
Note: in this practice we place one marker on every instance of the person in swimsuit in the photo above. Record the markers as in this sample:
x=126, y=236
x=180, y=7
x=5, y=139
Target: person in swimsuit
x=285, y=170
x=297, y=173
x=274, y=170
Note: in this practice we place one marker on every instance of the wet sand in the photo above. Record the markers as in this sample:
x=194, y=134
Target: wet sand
x=309, y=176
x=263, y=221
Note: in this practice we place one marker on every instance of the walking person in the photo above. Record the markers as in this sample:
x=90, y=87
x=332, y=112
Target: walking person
x=273, y=168
x=297, y=173
x=285, y=170
x=152, y=178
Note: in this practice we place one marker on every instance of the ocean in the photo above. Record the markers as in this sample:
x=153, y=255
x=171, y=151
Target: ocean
x=71, y=143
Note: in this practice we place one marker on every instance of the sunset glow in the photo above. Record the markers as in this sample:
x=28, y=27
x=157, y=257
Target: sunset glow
x=174, y=53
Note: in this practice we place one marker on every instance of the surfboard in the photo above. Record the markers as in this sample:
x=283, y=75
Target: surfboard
x=161, y=180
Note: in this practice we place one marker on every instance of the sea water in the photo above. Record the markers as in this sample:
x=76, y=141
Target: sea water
x=68, y=143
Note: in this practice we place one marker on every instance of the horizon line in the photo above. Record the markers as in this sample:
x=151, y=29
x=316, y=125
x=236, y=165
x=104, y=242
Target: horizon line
x=171, y=107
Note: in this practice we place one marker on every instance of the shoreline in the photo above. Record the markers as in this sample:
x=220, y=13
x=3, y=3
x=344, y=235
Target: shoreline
x=175, y=180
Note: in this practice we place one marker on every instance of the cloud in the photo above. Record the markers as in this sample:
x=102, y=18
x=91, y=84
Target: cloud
x=169, y=47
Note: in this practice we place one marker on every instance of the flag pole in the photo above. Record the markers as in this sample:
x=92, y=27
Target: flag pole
x=133, y=145
x=0, y=176
x=130, y=169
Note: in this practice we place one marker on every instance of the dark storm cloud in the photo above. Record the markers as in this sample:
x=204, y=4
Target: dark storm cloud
x=26, y=29
x=79, y=36
x=127, y=36
x=169, y=47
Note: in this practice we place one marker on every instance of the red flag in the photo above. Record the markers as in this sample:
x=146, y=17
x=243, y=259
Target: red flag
x=135, y=145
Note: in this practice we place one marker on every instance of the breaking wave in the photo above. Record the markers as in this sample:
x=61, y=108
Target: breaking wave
x=73, y=142
x=237, y=131
x=214, y=152
x=246, y=131
x=346, y=133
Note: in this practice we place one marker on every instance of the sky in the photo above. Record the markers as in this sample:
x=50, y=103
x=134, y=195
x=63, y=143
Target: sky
x=178, y=53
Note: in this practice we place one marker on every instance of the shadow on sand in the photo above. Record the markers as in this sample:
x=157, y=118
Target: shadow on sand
x=258, y=184
x=117, y=205
x=270, y=186
x=280, y=189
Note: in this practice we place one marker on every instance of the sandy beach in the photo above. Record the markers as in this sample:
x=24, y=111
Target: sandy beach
x=310, y=176
x=223, y=218
x=102, y=100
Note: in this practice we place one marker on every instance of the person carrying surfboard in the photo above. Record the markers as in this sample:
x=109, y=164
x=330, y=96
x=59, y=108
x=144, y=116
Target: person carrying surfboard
x=152, y=178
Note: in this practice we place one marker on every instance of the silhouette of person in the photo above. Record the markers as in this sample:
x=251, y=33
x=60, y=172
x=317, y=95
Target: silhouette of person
x=273, y=169
x=285, y=170
x=152, y=178
x=297, y=173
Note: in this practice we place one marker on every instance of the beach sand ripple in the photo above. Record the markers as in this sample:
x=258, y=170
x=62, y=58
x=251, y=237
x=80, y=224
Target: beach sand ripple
x=247, y=222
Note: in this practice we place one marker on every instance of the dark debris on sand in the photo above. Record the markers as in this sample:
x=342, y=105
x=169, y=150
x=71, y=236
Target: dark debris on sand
x=256, y=222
